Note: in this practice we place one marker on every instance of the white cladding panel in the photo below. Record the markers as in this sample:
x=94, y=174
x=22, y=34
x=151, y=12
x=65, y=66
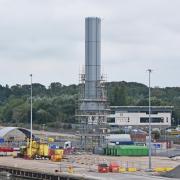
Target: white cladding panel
x=118, y=137
x=133, y=118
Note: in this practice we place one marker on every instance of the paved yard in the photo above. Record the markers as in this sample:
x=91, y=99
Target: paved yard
x=86, y=165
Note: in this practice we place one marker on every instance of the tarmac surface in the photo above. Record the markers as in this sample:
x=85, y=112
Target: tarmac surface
x=130, y=177
x=175, y=173
x=86, y=165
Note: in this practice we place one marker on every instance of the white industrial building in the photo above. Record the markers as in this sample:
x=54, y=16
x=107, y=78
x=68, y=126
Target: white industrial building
x=139, y=116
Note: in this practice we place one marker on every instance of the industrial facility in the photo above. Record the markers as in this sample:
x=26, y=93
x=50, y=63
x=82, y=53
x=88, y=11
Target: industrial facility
x=66, y=152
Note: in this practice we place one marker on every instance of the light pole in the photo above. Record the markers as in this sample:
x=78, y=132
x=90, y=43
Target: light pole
x=43, y=135
x=43, y=126
x=149, y=71
x=31, y=119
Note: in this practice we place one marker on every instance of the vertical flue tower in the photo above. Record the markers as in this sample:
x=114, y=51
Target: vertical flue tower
x=92, y=109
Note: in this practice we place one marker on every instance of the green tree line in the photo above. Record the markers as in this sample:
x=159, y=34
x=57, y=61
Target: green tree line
x=56, y=103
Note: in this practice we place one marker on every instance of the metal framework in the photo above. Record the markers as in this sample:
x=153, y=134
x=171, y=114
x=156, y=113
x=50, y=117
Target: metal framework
x=92, y=123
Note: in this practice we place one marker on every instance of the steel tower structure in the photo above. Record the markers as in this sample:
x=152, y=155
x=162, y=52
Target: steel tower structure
x=92, y=104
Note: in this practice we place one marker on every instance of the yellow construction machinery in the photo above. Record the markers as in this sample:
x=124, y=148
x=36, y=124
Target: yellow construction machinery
x=40, y=150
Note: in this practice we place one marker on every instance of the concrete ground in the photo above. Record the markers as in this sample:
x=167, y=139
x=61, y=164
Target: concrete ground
x=129, y=177
x=86, y=165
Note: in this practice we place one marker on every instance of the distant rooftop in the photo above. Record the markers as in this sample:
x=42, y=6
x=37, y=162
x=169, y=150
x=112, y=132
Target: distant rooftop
x=142, y=108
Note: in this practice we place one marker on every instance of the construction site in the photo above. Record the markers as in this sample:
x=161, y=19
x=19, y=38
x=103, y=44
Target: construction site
x=47, y=160
x=95, y=152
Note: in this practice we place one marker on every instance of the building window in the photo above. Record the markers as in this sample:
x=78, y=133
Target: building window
x=153, y=120
x=152, y=112
x=112, y=112
x=111, y=120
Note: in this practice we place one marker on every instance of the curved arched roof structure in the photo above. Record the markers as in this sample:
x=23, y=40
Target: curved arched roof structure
x=4, y=131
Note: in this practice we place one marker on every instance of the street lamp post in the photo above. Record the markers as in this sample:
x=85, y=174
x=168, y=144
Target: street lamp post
x=31, y=119
x=43, y=134
x=149, y=71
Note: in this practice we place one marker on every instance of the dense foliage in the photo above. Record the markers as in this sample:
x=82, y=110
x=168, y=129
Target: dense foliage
x=56, y=104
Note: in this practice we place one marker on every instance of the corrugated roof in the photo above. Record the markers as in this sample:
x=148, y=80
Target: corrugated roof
x=142, y=108
x=6, y=130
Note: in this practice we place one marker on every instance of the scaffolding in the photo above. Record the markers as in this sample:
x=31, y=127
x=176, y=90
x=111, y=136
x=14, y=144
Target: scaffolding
x=92, y=123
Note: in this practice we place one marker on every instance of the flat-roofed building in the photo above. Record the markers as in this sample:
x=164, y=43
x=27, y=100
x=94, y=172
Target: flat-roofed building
x=139, y=116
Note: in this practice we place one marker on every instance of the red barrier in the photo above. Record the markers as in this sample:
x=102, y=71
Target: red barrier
x=6, y=149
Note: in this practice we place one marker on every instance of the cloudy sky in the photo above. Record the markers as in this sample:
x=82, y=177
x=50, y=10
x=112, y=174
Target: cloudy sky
x=46, y=38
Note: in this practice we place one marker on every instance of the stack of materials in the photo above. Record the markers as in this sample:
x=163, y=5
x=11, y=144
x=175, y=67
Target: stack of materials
x=32, y=149
x=103, y=168
x=43, y=150
x=57, y=154
x=114, y=167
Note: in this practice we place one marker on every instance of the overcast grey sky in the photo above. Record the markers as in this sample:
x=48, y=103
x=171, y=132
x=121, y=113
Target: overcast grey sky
x=46, y=38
